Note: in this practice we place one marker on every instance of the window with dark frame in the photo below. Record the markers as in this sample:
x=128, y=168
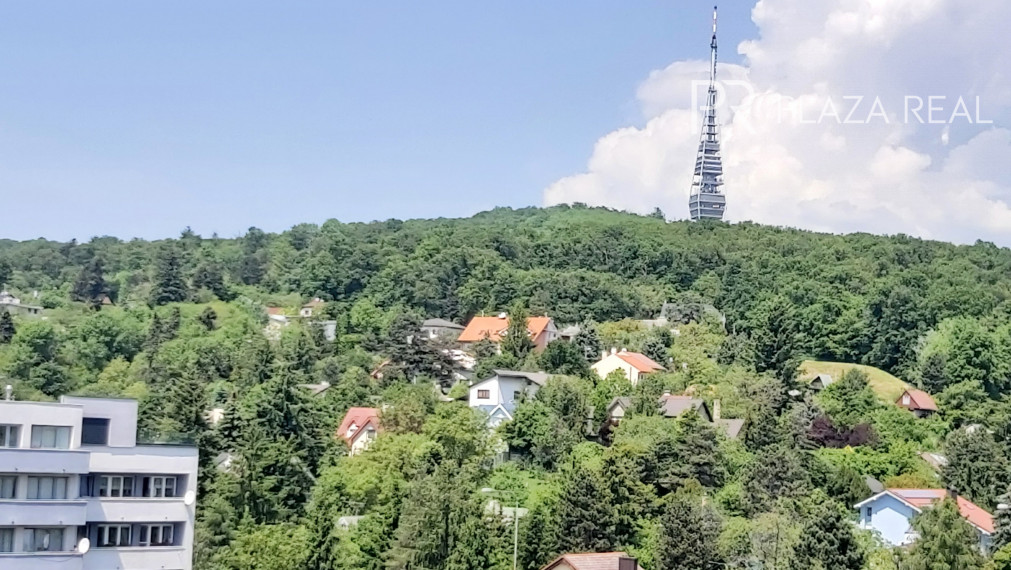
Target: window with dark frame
x=483, y=394
x=95, y=431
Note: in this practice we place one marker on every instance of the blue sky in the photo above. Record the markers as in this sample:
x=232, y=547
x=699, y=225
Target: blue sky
x=140, y=118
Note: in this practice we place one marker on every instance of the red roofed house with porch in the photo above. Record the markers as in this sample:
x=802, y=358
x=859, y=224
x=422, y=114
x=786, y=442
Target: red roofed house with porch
x=632, y=364
x=359, y=428
x=918, y=402
x=542, y=330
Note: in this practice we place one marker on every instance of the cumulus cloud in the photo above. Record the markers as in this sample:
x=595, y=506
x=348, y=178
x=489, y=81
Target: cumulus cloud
x=825, y=126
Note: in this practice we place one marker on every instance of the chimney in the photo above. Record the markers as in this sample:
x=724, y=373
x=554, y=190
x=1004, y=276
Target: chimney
x=628, y=563
x=666, y=393
x=614, y=350
x=716, y=410
x=952, y=493
x=603, y=354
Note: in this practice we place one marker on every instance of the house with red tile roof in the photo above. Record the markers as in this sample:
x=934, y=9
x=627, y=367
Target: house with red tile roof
x=359, y=428
x=891, y=512
x=541, y=330
x=594, y=561
x=918, y=402
x=632, y=364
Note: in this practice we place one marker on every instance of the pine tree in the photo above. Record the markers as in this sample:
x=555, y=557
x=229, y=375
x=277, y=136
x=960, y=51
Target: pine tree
x=209, y=275
x=977, y=466
x=632, y=500
x=538, y=537
x=588, y=341
x=1002, y=520
x=90, y=286
x=947, y=541
x=7, y=328
x=168, y=285
x=827, y=541
x=698, y=453
x=517, y=338
x=5, y=272
x=586, y=521
x=690, y=530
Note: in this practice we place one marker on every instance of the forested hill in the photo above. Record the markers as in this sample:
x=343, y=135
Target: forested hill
x=856, y=298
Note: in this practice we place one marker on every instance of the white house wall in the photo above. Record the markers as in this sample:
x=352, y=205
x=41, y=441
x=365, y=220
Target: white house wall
x=611, y=363
x=500, y=390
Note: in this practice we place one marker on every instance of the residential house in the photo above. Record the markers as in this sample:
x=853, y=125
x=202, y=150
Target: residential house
x=79, y=492
x=632, y=364
x=541, y=330
x=569, y=333
x=359, y=429
x=14, y=306
x=820, y=382
x=499, y=395
x=348, y=522
x=671, y=406
x=495, y=508
x=594, y=561
x=918, y=402
x=316, y=389
x=891, y=512
x=440, y=328
x=936, y=461
x=310, y=308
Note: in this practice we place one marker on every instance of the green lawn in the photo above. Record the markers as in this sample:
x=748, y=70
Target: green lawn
x=886, y=386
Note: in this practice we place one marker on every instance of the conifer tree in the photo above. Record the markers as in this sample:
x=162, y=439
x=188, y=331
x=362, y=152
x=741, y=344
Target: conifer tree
x=588, y=341
x=586, y=519
x=517, y=338
x=168, y=285
x=90, y=286
x=7, y=328
x=209, y=318
x=698, y=452
x=827, y=541
x=538, y=536
x=1002, y=520
x=947, y=541
x=690, y=531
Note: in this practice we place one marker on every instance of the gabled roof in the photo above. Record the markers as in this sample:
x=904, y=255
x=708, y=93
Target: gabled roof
x=442, y=324
x=918, y=499
x=731, y=427
x=674, y=406
x=639, y=361
x=360, y=417
x=494, y=327
x=539, y=378
x=919, y=400
x=316, y=302
x=623, y=401
x=589, y=561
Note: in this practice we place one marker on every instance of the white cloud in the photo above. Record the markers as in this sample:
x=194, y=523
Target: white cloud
x=879, y=173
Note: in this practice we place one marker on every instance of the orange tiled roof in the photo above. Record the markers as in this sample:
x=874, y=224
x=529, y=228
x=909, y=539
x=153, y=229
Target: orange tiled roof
x=493, y=328
x=919, y=400
x=921, y=498
x=359, y=417
x=640, y=362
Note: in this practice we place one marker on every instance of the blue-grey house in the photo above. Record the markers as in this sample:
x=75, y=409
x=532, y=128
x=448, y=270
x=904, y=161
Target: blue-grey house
x=891, y=513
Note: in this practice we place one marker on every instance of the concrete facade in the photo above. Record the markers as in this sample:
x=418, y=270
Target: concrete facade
x=73, y=470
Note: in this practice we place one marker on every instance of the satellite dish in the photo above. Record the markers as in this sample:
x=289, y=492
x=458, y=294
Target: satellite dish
x=84, y=546
x=189, y=498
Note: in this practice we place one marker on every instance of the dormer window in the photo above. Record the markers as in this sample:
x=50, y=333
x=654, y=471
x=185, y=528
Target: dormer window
x=905, y=399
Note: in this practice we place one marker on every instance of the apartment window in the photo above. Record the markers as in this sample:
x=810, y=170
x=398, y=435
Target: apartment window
x=159, y=487
x=8, y=486
x=115, y=486
x=51, y=437
x=156, y=535
x=869, y=511
x=43, y=539
x=517, y=395
x=9, y=435
x=114, y=535
x=6, y=540
x=47, y=488
x=483, y=394
x=95, y=431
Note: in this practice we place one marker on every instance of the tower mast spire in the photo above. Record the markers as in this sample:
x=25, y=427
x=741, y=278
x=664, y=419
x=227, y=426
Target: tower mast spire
x=706, y=199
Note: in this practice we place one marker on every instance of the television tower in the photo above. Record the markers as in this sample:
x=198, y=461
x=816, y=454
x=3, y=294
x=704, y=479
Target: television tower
x=706, y=200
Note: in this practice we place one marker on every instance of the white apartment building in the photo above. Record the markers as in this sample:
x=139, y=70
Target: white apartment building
x=78, y=493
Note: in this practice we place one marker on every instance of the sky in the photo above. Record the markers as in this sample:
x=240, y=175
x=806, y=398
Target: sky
x=138, y=119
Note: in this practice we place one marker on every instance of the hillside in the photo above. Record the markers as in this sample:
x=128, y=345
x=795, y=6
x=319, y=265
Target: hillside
x=886, y=386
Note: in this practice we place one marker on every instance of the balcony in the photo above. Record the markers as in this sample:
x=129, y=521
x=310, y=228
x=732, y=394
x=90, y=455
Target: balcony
x=138, y=557
x=137, y=510
x=42, y=513
x=43, y=561
x=24, y=460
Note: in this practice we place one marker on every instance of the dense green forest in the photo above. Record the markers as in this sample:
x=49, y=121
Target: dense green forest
x=179, y=325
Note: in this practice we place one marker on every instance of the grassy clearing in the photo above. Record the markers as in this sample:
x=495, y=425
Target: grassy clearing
x=886, y=386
